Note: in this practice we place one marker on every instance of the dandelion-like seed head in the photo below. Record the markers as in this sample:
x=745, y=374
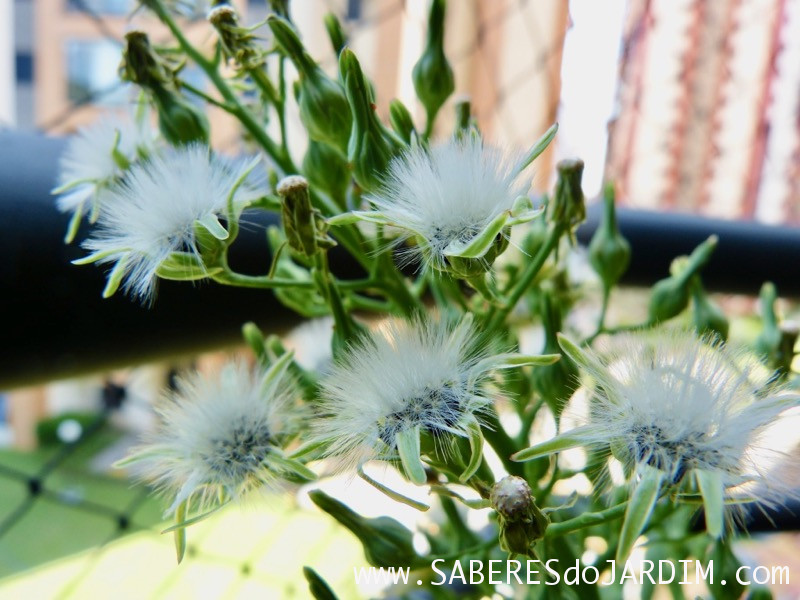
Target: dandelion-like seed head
x=408, y=374
x=447, y=195
x=89, y=166
x=155, y=210
x=219, y=438
x=685, y=405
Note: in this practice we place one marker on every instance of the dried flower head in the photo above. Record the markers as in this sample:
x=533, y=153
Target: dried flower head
x=407, y=379
x=222, y=437
x=157, y=210
x=685, y=411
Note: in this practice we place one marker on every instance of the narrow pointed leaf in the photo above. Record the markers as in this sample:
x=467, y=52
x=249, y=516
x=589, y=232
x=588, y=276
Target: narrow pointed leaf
x=357, y=215
x=183, y=524
x=278, y=368
x=396, y=496
x=295, y=466
x=512, y=359
x=475, y=450
x=408, y=448
x=211, y=224
x=525, y=217
x=713, y=492
x=539, y=147
x=238, y=183
x=640, y=506
x=72, y=228
x=577, y=354
x=184, y=266
x=480, y=244
x=179, y=535
x=306, y=449
x=97, y=256
x=565, y=441
x=115, y=277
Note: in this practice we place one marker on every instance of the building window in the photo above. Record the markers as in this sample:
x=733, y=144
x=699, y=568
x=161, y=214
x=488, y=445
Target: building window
x=92, y=72
x=24, y=67
x=101, y=7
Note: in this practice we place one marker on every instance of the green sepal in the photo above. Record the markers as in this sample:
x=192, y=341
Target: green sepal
x=184, y=266
x=291, y=465
x=179, y=535
x=73, y=226
x=211, y=223
x=565, y=441
x=98, y=256
x=539, y=147
x=183, y=524
x=475, y=436
x=640, y=506
x=578, y=356
x=355, y=216
x=115, y=277
x=480, y=244
x=408, y=447
x=713, y=492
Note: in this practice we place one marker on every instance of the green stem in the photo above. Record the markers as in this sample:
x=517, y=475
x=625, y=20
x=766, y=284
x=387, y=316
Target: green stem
x=497, y=315
x=586, y=520
x=236, y=108
x=228, y=277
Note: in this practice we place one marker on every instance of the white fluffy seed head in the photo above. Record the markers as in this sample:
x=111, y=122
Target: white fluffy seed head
x=447, y=193
x=152, y=212
x=88, y=158
x=406, y=374
x=680, y=403
x=216, y=436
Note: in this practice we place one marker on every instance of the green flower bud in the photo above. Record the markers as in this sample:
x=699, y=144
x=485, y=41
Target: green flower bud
x=335, y=33
x=557, y=382
x=568, y=206
x=323, y=106
x=371, y=145
x=317, y=586
x=769, y=339
x=179, y=121
x=401, y=121
x=386, y=542
x=465, y=122
x=671, y=295
x=237, y=42
x=142, y=65
x=521, y=522
x=327, y=170
x=609, y=252
x=432, y=75
x=304, y=226
x=707, y=316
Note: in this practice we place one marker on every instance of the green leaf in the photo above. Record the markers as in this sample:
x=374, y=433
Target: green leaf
x=539, y=147
x=396, y=496
x=307, y=448
x=183, y=524
x=277, y=369
x=408, y=448
x=115, y=277
x=573, y=439
x=372, y=216
x=211, y=224
x=72, y=228
x=640, y=506
x=511, y=360
x=576, y=353
x=713, y=492
x=179, y=535
x=475, y=450
x=480, y=244
x=96, y=256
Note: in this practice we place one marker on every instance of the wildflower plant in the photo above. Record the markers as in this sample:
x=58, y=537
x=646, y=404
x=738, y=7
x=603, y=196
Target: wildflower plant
x=426, y=376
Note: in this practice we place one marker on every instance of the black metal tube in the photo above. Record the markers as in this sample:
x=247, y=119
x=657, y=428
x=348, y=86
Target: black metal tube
x=748, y=253
x=54, y=322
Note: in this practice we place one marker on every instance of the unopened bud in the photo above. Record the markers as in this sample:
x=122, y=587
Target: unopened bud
x=237, y=42
x=142, y=65
x=521, y=522
x=386, y=542
x=707, y=315
x=317, y=586
x=323, y=106
x=568, y=206
x=671, y=295
x=609, y=252
x=304, y=226
x=179, y=121
x=371, y=145
x=433, y=75
x=335, y=33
